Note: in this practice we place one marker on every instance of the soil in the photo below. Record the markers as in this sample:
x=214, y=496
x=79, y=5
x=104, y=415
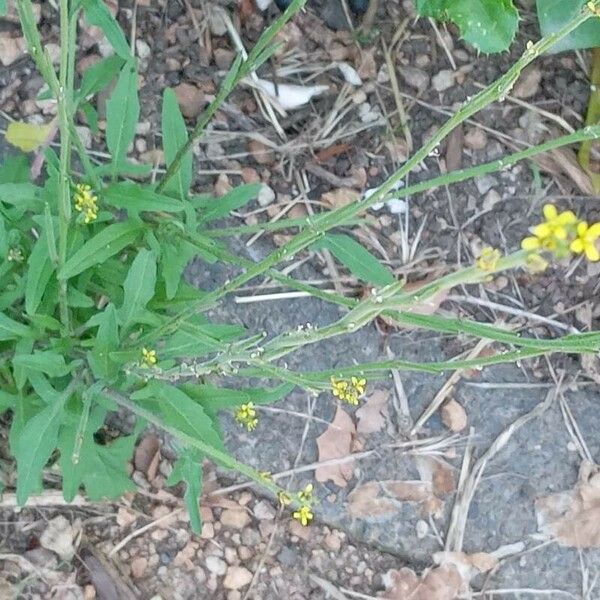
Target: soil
x=348, y=552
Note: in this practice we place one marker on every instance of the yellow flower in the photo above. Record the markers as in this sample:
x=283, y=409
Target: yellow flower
x=303, y=514
x=348, y=391
x=149, y=358
x=246, y=416
x=553, y=232
x=306, y=494
x=585, y=242
x=85, y=202
x=266, y=476
x=488, y=259
x=284, y=498
x=339, y=388
x=358, y=385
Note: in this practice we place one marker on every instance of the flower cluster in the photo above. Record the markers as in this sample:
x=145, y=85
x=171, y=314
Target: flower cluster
x=245, y=415
x=86, y=202
x=304, y=514
x=562, y=233
x=593, y=8
x=488, y=259
x=149, y=358
x=348, y=391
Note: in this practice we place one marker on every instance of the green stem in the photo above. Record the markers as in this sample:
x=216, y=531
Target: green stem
x=316, y=229
x=238, y=71
x=67, y=49
x=218, y=456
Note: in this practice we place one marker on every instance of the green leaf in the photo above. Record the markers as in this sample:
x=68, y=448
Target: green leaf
x=2, y=8
x=138, y=287
x=7, y=401
x=173, y=261
x=555, y=14
x=215, y=208
x=48, y=362
x=122, y=114
x=179, y=411
x=15, y=169
x=103, y=245
x=97, y=13
x=488, y=25
x=38, y=274
x=136, y=198
x=35, y=443
x=107, y=340
x=358, y=260
x=101, y=469
x=214, y=399
x=174, y=137
x=184, y=344
x=98, y=76
x=12, y=330
x=187, y=468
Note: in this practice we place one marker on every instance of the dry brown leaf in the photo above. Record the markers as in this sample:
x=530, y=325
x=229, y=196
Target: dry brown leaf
x=454, y=416
x=573, y=517
x=335, y=442
x=439, y=583
x=454, y=149
x=591, y=366
x=372, y=414
x=147, y=456
x=340, y=197
x=366, y=501
x=437, y=474
x=468, y=565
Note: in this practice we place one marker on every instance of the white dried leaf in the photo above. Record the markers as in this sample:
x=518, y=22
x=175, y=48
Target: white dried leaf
x=350, y=73
x=290, y=96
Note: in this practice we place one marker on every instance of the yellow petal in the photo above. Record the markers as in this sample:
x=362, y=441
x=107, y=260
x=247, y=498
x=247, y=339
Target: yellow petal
x=28, y=136
x=567, y=218
x=582, y=228
x=594, y=230
x=560, y=233
x=530, y=243
x=542, y=230
x=591, y=253
x=577, y=246
x=550, y=212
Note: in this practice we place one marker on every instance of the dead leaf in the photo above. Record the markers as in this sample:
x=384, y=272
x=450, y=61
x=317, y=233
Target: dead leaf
x=372, y=414
x=436, y=473
x=29, y=136
x=454, y=149
x=573, y=517
x=59, y=536
x=591, y=366
x=335, y=442
x=340, y=197
x=467, y=565
x=439, y=583
x=454, y=416
x=382, y=498
x=147, y=456
x=366, y=501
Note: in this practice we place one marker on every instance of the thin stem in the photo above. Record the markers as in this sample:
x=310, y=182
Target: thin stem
x=316, y=229
x=238, y=71
x=67, y=48
x=218, y=456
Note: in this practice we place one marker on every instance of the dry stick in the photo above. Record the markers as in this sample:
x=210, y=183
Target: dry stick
x=447, y=388
x=458, y=519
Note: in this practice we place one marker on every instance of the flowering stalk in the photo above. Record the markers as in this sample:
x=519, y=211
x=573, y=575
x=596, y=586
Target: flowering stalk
x=326, y=221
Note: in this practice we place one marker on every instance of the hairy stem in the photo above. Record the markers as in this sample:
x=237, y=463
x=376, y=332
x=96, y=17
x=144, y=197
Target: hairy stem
x=314, y=230
x=64, y=98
